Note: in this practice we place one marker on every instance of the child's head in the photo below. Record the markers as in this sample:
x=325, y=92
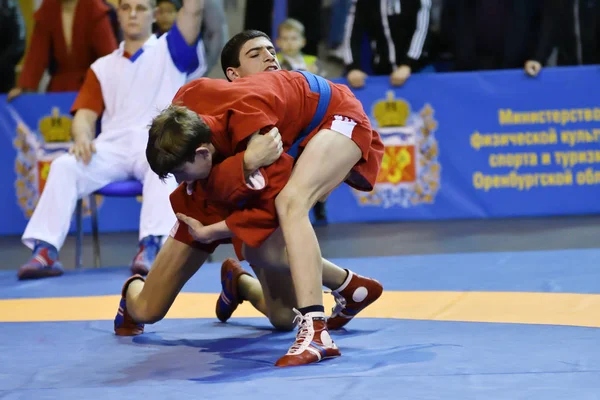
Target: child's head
x=179, y=143
x=290, y=36
x=166, y=14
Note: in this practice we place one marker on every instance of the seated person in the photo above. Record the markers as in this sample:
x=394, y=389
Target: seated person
x=127, y=87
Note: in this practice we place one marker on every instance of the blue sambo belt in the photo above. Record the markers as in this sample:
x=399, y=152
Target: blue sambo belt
x=317, y=85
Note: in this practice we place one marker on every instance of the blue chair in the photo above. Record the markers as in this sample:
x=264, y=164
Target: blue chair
x=128, y=188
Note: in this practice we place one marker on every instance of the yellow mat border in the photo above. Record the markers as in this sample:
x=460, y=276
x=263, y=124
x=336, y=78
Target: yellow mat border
x=500, y=307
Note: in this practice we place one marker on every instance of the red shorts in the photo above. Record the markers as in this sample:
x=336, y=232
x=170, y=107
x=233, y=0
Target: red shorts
x=346, y=115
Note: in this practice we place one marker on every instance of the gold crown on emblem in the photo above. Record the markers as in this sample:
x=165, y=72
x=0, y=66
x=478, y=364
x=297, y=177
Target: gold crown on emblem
x=391, y=111
x=56, y=127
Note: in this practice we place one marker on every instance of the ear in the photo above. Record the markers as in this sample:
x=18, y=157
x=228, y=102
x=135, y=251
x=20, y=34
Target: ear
x=202, y=151
x=232, y=73
x=278, y=43
x=302, y=43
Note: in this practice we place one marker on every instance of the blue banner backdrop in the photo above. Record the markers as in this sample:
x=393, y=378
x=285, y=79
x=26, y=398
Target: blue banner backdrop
x=479, y=145
x=35, y=129
x=461, y=145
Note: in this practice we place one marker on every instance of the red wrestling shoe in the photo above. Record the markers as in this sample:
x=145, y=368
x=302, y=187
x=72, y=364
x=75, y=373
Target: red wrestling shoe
x=124, y=324
x=355, y=294
x=312, y=344
x=43, y=263
x=229, y=299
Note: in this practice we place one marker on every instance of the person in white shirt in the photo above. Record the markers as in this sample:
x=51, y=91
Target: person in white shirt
x=127, y=88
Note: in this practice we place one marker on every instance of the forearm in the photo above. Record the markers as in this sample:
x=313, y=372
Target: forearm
x=219, y=231
x=84, y=125
x=193, y=7
x=261, y=151
x=189, y=20
x=216, y=31
x=250, y=166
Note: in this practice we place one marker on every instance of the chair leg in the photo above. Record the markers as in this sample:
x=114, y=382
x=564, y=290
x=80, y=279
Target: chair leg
x=94, y=210
x=79, y=234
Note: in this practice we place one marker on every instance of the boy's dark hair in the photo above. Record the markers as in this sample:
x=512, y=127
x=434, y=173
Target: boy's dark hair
x=173, y=138
x=176, y=3
x=230, y=55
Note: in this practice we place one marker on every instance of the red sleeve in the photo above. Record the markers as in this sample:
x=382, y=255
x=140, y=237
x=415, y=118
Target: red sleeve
x=37, y=58
x=227, y=181
x=90, y=95
x=200, y=209
x=246, y=119
x=258, y=219
x=104, y=41
x=250, y=116
x=246, y=112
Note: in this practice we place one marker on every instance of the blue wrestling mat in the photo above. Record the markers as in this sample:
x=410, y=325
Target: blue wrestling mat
x=462, y=326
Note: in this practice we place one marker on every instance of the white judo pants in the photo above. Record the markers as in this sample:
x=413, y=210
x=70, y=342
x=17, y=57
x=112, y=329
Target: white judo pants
x=70, y=180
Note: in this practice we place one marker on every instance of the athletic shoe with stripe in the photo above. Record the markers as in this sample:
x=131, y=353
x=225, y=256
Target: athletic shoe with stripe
x=229, y=299
x=313, y=342
x=43, y=263
x=124, y=324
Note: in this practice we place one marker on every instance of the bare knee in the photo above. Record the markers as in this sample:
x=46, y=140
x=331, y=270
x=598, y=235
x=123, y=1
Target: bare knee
x=292, y=203
x=283, y=319
x=152, y=317
x=145, y=313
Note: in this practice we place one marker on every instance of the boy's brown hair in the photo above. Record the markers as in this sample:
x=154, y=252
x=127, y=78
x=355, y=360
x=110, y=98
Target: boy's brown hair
x=173, y=138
